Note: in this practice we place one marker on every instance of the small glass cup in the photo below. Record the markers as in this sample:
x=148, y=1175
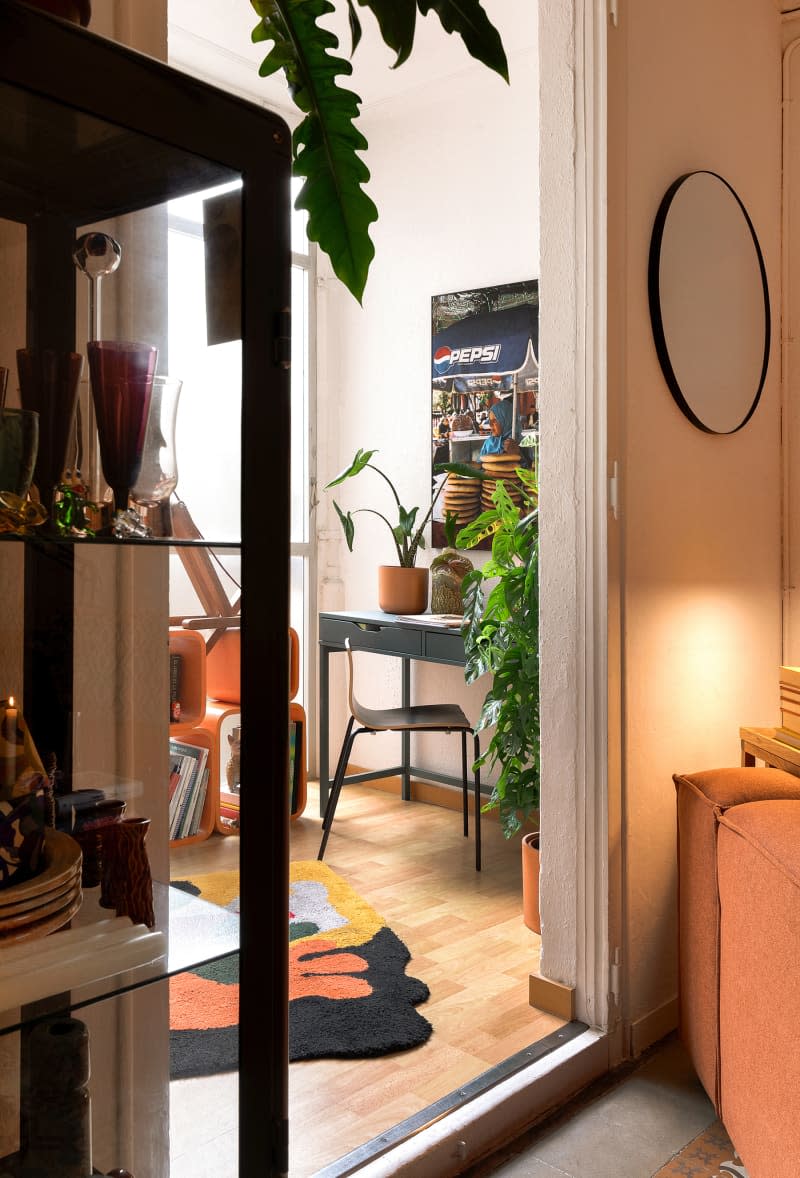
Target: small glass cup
x=158, y=473
x=19, y=443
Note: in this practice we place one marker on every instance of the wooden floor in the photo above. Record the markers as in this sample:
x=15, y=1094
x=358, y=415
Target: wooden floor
x=467, y=942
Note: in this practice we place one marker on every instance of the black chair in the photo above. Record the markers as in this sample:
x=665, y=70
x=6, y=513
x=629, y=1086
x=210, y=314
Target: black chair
x=418, y=718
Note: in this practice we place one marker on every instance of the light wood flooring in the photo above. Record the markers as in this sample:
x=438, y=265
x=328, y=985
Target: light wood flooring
x=467, y=942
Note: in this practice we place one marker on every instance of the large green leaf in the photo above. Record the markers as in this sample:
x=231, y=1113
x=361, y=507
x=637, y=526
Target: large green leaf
x=326, y=142
x=396, y=20
x=467, y=18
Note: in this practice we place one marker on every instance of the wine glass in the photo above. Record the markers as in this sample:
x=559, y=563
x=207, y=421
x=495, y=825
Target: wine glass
x=48, y=384
x=121, y=374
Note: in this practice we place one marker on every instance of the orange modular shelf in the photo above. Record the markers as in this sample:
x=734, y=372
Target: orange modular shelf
x=211, y=726
x=201, y=739
x=191, y=646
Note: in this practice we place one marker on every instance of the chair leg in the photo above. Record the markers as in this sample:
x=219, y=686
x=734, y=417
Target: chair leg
x=336, y=788
x=464, y=789
x=477, y=805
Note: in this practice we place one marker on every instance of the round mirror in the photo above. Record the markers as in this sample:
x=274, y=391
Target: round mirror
x=709, y=302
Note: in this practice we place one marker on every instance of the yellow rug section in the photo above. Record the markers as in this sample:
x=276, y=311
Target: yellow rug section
x=322, y=898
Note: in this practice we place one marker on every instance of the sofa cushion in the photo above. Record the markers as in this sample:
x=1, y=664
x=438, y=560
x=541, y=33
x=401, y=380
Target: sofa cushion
x=773, y=828
x=701, y=797
x=732, y=787
x=758, y=865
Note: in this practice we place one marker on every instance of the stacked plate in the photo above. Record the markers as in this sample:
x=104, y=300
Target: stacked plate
x=500, y=468
x=40, y=905
x=462, y=498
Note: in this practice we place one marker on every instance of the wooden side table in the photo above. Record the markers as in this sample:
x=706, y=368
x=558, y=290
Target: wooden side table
x=760, y=744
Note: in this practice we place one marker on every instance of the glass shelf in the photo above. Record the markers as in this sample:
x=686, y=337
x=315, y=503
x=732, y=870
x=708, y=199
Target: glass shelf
x=195, y=933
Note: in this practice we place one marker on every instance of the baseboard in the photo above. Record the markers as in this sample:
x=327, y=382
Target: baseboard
x=653, y=1026
x=551, y=997
x=430, y=792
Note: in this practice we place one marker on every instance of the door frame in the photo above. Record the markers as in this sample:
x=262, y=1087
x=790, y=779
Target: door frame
x=580, y=886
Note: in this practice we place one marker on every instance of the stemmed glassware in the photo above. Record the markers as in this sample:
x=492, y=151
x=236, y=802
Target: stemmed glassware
x=121, y=375
x=48, y=385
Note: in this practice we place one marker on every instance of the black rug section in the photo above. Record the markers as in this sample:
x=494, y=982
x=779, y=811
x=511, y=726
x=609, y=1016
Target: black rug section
x=203, y=1053
x=358, y=1028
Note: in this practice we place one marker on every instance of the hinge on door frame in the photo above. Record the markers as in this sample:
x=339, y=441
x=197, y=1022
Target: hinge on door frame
x=613, y=490
x=613, y=13
x=614, y=976
x=282, y=343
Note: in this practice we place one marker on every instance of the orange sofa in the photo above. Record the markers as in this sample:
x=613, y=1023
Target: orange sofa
x=739, y=955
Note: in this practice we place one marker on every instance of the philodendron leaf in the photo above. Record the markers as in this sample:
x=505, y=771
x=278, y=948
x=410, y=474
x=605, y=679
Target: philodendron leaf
x=397, y=20
x=361, y=460
x=326, y=142
x=467, y=18
x=347, y=523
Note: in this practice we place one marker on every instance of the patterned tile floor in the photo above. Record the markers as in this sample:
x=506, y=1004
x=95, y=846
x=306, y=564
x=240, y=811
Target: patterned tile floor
x=656, y=1122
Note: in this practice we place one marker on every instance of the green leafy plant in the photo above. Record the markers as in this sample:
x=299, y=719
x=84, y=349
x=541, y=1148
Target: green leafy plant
x=407, y=534
x=501, y=638
x=326, y=142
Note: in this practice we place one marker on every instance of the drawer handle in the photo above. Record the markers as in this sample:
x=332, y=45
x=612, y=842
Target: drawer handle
x=369, y=626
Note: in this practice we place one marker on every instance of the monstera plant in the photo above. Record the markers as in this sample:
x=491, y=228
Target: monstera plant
x=501, y=637
x=326, y=143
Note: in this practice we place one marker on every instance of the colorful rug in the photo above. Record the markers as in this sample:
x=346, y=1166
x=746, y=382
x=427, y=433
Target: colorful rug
x=349, y=994
x=710, y=1155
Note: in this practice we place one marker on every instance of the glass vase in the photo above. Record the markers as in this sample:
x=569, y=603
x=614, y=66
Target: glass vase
x=158, y=472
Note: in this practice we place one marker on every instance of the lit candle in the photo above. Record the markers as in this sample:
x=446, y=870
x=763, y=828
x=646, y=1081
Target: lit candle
x=9, y=774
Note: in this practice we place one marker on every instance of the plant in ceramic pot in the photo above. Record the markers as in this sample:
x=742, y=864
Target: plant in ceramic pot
x=501, y=637
x=448, y=571
x=402, y=588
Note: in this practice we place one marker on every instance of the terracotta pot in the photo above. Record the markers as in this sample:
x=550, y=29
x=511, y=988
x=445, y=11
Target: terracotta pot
x=77, y=11
x=530, y=881
x=402, y=591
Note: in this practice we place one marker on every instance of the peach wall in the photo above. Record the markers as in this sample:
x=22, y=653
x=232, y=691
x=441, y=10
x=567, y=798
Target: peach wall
x=691, y=86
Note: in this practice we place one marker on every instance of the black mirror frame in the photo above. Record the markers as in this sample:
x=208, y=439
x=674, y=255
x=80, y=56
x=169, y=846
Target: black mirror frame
x=656, y=320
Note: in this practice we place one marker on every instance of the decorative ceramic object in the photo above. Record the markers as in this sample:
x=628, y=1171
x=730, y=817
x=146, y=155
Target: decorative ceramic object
x=126, y=883
x=448, y=570
x=530, y=881
x=57, y=1119
x=402, y=590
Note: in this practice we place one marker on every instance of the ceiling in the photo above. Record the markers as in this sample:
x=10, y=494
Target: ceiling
x=211, y=39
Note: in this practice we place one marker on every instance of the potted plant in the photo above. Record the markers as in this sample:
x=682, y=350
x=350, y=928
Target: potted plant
x=501, y=637
x=402, y=588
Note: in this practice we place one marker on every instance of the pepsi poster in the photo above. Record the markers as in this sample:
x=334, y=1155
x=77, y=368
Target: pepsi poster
x=484, y=386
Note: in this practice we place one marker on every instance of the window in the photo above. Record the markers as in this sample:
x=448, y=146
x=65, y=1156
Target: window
x=210, y=400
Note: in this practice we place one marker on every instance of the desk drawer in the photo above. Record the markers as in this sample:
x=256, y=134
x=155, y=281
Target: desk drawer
x=444, y=648
x=391, y=639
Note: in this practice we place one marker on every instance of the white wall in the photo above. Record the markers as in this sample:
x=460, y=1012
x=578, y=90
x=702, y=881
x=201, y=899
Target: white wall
x=692, y=86
x=455, y=177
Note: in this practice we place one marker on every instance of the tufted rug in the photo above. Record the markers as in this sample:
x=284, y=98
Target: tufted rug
x=349, y=994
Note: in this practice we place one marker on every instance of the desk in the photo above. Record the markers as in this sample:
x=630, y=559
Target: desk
x=760, y=744
x=380, y=633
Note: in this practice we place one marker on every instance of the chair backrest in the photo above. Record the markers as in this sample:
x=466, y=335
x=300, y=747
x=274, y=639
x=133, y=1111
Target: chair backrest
x=352, y=702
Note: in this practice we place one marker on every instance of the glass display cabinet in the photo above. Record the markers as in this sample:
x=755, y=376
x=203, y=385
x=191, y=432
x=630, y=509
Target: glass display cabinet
x=96, y=144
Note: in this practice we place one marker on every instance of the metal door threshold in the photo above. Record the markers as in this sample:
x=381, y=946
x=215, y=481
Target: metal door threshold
x=351, y=1162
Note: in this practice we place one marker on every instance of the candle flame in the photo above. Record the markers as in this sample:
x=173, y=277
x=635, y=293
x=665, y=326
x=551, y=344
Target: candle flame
x=11, y=701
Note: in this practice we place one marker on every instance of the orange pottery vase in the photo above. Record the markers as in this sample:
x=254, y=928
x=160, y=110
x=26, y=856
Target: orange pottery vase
x=530, y=882
x=402, y=591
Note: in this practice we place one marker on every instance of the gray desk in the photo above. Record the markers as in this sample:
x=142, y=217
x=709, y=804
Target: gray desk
x=382, y=633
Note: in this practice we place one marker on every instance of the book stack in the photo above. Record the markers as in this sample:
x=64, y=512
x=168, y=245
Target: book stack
x=188, y=782
x=789, y=732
